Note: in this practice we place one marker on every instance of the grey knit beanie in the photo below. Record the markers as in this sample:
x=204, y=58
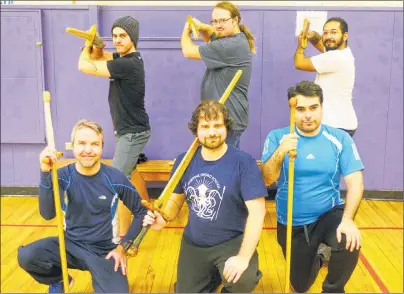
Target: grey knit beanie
x=130, y=25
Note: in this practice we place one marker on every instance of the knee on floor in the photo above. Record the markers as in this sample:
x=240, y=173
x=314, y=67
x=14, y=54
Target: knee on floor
x=25, y=257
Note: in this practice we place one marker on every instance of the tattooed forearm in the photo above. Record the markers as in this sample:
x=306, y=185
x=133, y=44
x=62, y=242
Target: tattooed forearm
x=315, y=39
x=271, y=169
x=92, y=65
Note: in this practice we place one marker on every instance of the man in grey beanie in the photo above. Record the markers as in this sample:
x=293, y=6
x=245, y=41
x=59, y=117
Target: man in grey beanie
x=125, y=70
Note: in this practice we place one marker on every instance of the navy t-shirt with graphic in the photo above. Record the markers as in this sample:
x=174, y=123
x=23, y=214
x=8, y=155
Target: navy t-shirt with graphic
x=216, y=192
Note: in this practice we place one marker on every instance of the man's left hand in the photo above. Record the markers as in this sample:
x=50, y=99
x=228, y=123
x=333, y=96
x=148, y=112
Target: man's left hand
x=234, y=268
x=352, y=234
x=119, y=255
x=300, y=39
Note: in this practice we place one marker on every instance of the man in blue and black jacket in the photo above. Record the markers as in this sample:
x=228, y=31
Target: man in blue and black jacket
x=89, y=192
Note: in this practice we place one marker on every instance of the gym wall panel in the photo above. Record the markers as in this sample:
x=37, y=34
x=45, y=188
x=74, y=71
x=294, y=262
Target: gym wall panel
x=173, y=83
x=393, y=165
x=26, y=167
x=371, y=41
x=21, y=77
x=7, y=165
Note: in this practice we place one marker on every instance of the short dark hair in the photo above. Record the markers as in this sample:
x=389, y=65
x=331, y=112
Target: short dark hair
x=307, y=89
x=342, y=24
x=210, y=109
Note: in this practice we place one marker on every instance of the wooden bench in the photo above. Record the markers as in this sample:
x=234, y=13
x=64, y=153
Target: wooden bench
x=151, y=170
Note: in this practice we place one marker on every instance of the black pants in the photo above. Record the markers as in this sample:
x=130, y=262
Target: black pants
x=41, y=259
x=305, y=262
x=197, y=265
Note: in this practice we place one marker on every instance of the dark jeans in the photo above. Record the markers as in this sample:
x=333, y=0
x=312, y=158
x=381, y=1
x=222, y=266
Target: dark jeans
x=197, y=265
x=41, y=259
x=305, y=262
x=233, y=138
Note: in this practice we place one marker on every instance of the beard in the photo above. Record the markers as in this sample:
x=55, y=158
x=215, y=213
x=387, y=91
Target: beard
x=212, y=145
x=309, y=129
x=335, y=47
x=222, y=34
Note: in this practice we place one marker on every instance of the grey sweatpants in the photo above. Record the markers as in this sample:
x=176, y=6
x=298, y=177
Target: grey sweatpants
x=41, y=259
x=128, y=148
x=196, y=266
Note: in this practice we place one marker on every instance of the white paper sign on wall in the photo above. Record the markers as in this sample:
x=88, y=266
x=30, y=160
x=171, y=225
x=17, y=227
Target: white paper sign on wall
x=317, y=20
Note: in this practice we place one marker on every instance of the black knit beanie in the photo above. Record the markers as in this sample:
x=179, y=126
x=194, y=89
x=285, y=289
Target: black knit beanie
x=130, y=25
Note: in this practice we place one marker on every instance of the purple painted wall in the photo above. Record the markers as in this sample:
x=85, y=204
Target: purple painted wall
x=172, y=82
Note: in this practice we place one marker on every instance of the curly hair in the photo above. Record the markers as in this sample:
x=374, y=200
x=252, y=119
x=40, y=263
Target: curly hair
x=209, y=110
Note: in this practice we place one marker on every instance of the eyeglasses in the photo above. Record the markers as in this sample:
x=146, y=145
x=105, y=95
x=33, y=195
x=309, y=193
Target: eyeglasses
x=220, y=22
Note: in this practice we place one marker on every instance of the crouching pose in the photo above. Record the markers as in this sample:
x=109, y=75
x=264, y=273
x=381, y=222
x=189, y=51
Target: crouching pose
x=89, y=193
x=324, y=155
x=225, y=194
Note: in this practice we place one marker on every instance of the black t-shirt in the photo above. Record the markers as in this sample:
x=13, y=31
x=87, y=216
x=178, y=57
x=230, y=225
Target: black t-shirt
x=126, y=94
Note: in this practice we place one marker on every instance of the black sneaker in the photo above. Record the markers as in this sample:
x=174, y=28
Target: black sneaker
x=142, y=158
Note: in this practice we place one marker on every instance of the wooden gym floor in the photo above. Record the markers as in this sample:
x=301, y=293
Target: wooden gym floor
x=380, y=268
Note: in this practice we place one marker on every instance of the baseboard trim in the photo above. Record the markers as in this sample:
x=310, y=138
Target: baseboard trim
x=155, y=192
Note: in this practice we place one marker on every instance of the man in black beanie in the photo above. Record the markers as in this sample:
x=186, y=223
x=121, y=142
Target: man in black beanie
x=125, y=70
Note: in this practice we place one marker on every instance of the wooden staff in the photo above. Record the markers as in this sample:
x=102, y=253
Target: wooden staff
x=193, y=27
x=86, y=35
x=55, y=184
x=306, y=27
x=169, y=189
x=292, y=155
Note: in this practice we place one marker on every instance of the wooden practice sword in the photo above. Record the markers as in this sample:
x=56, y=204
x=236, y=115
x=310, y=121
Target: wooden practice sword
x=55, y=184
